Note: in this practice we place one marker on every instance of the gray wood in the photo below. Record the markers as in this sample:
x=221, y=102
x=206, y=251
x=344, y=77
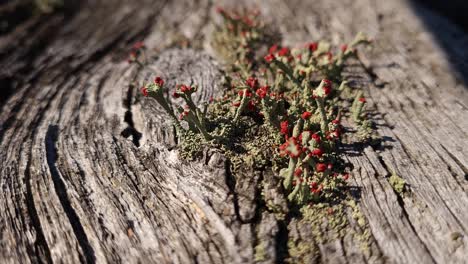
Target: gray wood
x=89, y=172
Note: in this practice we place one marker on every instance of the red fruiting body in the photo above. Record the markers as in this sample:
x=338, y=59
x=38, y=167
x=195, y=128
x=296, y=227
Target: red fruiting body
x=284, y=127
x=252, y=82
x=236, y=104
x=337, y=133
x=269, y=57
x=283, y=52
x=247, y=93
x=327, y=84
x=159, y=81
x=306, y=115
x=248, y=21
x=273, y=49
x=320, y=167
x=138, y=45
x=175, y=94
x=316, y=190
x=346, y=176
x=362, y=99
x=255, y=12
x=313, y=46
x=283, y=146
x=262, y=91
x=317, y=152
x=220, y=10
x=298, y=172
x=251, y=106
x=183, y=114
x=336, y=121
x=343, y=48
x=144, y=91
x=185, y=88
x=316, y=137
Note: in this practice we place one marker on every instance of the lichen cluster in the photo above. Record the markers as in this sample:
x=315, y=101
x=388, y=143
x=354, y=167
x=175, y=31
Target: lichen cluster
x=281, y=108
x=281, y=112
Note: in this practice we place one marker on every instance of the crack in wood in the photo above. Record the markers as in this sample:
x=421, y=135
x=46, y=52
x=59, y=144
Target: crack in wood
x=61, y=191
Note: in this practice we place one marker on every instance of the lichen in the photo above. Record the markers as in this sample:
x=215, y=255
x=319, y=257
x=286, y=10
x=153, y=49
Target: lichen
x=398, y=184
x=299, y=251
x=455, y=236
x=260, y=253
x=281, y=112
x=363, y=235
x=48, y=6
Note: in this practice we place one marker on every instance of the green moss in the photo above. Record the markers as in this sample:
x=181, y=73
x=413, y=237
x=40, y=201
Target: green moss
x=397, y=183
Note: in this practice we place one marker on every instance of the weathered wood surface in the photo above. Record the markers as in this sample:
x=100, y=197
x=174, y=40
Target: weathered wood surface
x=89, y=173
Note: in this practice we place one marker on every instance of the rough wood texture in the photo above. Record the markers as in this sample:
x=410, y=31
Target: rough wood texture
x=89, y=173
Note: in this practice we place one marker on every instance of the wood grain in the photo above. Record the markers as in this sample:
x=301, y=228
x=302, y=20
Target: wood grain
x=89, y=172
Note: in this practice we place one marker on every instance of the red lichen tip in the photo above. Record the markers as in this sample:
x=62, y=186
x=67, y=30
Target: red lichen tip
x=316, y=137
x=273, y=49
x=185, y=88
x=159, y=81
x=298, y=172
x=317, y=152
x=262, y=91
x=306, y=115
x=220, y=10
x=343, y=48
x=284, y=127
x=138, y=45
x=313, y=46
x=269, y=57
x=144, y=91
x=283, y=52
x=320, y=167
x=252, y=82
x=327, y=82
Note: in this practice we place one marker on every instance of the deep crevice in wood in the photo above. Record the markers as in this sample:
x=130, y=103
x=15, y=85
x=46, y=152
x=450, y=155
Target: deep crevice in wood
x=61, y=191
